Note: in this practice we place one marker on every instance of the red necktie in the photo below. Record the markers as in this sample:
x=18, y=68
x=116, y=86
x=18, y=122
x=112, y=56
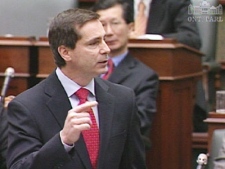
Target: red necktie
x=110, y=69
x=91, y=136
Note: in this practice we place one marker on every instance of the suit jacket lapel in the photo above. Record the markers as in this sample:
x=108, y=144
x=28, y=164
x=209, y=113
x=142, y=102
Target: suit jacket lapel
x=105, y=112
x=59, y=105
x=122, y=70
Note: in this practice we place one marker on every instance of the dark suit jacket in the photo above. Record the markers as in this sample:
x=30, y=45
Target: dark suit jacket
x=144, y=81
x=37, y=115
x=170, y=19
x=3, y=136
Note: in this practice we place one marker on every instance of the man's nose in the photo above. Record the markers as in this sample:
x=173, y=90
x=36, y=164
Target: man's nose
x=105, y=48
x=108, y=29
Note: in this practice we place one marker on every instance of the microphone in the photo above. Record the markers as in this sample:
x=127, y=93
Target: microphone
x=9, y=73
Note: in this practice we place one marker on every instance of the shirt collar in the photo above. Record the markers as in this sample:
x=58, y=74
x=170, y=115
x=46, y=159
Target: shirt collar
x=70, y=86
x=117, y=59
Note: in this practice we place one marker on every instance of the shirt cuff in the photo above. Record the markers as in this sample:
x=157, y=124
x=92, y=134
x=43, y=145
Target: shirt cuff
x=66, y=146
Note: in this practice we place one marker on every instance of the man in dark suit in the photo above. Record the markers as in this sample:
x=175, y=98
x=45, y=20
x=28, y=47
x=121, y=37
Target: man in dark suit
x=48, y=124
x=128, y=71
x=3, y=136
x=170, y=18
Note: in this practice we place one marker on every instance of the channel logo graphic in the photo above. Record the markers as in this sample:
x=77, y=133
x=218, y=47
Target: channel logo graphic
x=205, y=12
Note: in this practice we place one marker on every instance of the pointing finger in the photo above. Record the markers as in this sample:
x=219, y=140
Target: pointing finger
x=85, y=106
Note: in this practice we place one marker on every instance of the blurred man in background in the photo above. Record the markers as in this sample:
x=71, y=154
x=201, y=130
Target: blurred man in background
x=127, y=70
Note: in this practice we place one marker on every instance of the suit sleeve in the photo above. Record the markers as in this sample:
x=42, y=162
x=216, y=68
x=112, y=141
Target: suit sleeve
x=185, y=30
x=3, y=136
x=26, y=150
x=134, y=152
x=146, y=96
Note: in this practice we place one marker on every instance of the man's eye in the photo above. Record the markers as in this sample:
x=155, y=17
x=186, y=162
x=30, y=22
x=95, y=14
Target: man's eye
x=115, y=23
x=103, y=24
x=93, y=43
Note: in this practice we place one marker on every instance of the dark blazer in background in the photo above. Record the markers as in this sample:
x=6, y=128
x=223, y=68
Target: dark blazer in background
x=170, y=19
x=3, y=136
x=37, y=115
x=144, y=81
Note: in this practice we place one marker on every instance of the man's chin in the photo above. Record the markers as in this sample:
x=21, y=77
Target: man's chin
x=100, y=73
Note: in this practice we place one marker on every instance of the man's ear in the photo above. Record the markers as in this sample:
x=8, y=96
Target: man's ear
x=131, y=27
x=64, y=52
x=131, y=32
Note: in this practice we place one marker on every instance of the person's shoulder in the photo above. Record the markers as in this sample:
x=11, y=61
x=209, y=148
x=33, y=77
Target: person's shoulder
x=50, y=82
x=31, y=90
x=113, y=87
x=34, y=93
x=143, y=68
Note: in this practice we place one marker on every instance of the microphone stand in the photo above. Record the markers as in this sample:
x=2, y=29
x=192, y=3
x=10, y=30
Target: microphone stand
x=9, y=73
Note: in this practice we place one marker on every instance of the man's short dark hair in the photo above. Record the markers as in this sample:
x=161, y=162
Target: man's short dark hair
x=64, y=30
x=128, y=14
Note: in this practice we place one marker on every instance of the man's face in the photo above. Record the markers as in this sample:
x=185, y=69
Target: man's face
x=89, y=58
x=116, y=28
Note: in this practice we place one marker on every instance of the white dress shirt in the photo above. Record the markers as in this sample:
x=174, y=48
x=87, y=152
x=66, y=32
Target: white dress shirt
x=71, y=87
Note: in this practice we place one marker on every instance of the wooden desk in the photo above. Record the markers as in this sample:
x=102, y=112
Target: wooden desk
x=17, y=52
x=200, y=140
x=215, y=121
x=179, y=67
x=45, y=58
